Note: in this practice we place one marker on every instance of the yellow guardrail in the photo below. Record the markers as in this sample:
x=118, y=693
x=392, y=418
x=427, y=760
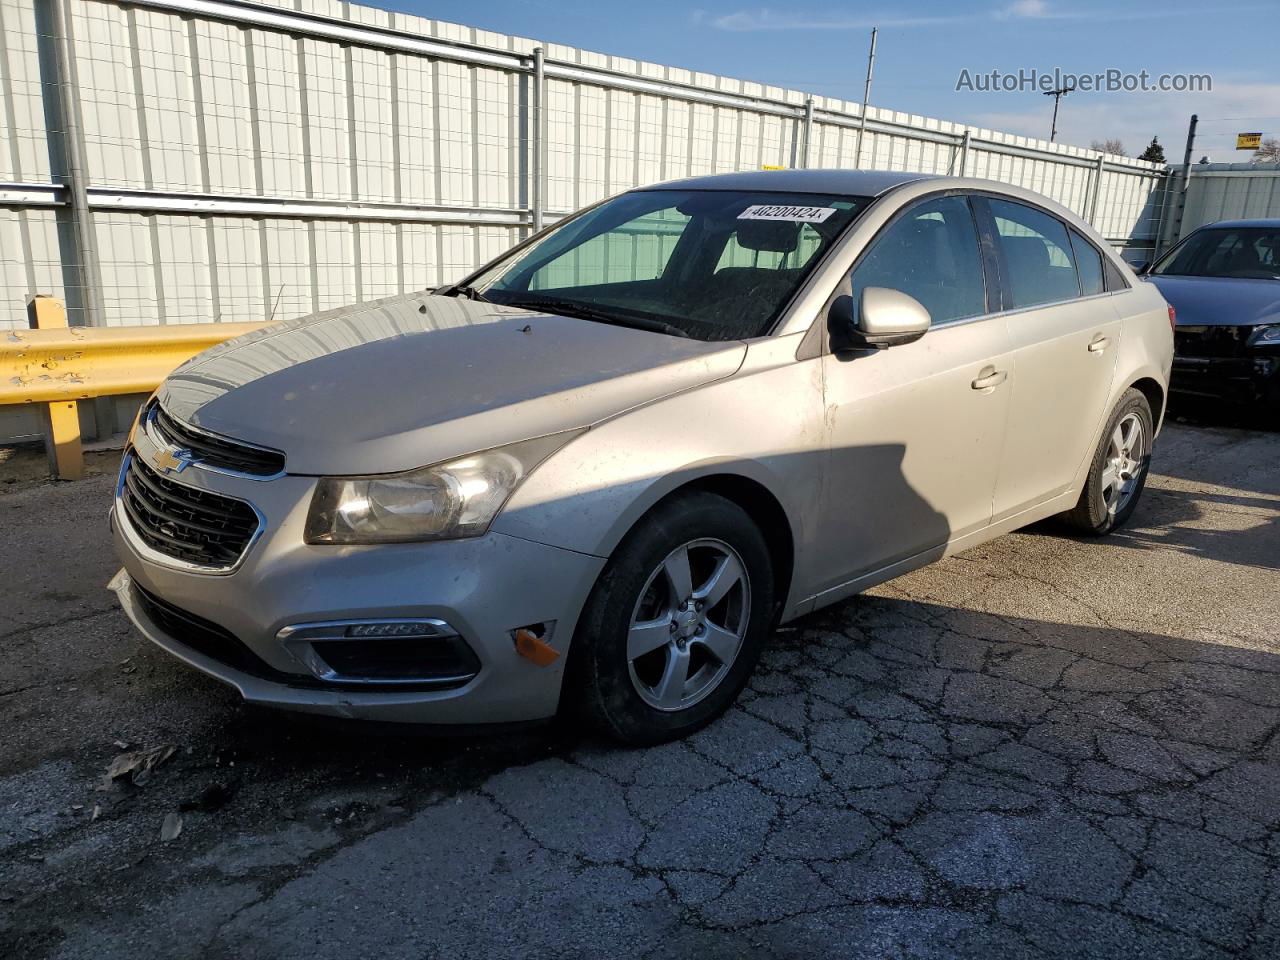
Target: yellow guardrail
x=57, y=365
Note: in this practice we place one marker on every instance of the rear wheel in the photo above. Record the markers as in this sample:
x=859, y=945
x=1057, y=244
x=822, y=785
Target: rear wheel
x=676, y=623
x=1118, y=472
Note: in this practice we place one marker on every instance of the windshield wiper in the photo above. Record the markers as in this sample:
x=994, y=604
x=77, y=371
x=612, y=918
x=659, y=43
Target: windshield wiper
x=469, y=293
x=572, y=308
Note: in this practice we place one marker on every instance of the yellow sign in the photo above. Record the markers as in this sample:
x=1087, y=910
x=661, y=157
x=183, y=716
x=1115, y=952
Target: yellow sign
x=770, y=166
x=1248, y=141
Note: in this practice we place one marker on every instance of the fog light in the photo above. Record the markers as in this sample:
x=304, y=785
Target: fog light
x=394, y=628
x=404, y=653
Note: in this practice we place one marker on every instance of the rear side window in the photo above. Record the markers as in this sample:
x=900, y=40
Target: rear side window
x=930, y=253
x=1037, y=254
x=1089, y=265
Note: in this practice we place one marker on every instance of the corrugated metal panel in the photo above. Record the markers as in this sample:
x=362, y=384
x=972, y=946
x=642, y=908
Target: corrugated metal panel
x=1226, y=191
x=235, y=105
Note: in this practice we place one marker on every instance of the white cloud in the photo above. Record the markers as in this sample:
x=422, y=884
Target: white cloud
x=1043, y=10
x=765, y=19
x=1024, y=10
x=1135, y=117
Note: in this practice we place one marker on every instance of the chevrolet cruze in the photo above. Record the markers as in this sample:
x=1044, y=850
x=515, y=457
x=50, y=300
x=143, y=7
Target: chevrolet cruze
x=597, y=472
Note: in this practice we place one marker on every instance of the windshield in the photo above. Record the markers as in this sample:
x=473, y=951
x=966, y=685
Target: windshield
x=712, y=265
x=1250, y=252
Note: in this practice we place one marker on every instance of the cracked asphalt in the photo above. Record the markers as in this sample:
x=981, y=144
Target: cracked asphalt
x=1044, y=747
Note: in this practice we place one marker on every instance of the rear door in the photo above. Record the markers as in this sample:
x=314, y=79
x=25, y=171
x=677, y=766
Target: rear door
x=1065, y=334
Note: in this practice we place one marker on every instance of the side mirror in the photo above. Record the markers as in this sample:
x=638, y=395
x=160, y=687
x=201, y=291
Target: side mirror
x=1141, y=269
x=885, y=318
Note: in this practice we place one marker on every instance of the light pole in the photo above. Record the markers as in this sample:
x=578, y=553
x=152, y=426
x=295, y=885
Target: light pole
x=866, y=99
x=1057, y=98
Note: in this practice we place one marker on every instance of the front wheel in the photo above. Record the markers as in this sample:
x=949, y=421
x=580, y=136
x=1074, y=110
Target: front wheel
x=1118, y=472
x=676, y=622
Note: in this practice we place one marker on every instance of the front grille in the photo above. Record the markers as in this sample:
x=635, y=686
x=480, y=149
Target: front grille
x=1210, y=342
x=196, y=526
x=215, y=451
x=202, y=636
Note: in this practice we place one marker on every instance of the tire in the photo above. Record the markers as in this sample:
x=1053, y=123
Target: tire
x=1117, y=474
x=637, y=697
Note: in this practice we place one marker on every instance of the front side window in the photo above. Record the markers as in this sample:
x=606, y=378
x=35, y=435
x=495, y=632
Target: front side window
x=1243, y=252
x=930, y=253
x=707, y=264
x=1037, y=254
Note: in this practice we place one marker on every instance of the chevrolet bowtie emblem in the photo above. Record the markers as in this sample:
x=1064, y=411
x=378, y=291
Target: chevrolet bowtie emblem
x=168, y=462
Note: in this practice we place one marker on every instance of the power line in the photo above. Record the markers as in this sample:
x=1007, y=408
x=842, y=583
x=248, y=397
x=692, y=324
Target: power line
x=1233, y=119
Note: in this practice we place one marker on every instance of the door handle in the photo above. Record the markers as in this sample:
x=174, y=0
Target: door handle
x=989, y=378
x=1099, y=344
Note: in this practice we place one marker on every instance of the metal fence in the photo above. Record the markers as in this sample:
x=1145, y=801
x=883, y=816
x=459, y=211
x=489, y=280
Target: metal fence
x=175, y=161
x=1219, y=191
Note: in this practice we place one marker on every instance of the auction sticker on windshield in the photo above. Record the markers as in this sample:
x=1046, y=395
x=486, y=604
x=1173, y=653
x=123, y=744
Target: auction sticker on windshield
x=778, y=211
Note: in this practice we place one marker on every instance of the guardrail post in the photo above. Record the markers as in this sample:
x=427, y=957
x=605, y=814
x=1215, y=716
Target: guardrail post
x=62, y=440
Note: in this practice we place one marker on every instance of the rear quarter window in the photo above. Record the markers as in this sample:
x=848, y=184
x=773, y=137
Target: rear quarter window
x=1089, y=266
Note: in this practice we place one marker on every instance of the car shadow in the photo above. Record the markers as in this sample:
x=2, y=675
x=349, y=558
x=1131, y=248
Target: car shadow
x=1177, y=520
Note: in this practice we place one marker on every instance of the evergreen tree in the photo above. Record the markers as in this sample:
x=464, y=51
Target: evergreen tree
x=1154, y=152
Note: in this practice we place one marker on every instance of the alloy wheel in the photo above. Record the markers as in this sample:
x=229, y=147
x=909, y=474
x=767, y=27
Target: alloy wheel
x=688, y=625
x=1125, y=461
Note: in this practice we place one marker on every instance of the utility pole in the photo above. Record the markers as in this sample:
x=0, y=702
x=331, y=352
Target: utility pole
x=1175, y=228
x=1186, y=157
x=1057, y=98
x=866, y=99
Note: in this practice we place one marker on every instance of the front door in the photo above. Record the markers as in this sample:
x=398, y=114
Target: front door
x=916, y=431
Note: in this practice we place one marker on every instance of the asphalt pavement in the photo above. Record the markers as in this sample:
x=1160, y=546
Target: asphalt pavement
x=1044, y=747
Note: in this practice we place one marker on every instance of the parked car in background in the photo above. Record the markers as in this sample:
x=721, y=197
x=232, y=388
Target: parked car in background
x=599, y=470
x=1223, y=280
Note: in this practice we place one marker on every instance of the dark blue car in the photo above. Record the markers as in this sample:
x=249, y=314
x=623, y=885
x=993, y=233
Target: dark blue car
x=1223, y=281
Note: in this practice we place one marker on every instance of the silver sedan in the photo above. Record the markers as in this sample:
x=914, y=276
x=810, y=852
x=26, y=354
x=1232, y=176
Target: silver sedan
x=595, y=474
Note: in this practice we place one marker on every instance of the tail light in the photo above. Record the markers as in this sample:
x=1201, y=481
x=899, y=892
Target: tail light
x=1173, y=318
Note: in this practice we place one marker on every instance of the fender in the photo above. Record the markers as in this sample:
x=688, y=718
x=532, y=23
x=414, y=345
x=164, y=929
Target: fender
x=770, y=430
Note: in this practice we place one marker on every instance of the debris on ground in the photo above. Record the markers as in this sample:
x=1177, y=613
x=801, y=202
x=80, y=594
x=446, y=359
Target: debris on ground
x=171, y=827
x=212, y=798
x=137, y=765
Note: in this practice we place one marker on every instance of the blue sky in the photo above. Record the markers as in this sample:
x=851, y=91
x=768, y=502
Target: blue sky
x=820, y=47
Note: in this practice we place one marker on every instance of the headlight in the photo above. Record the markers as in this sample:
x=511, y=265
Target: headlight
x=441, y=502
x=1265, y=335
x=137, y=417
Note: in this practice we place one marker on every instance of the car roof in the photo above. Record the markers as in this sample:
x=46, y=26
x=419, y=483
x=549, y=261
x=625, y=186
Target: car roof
x=1251, y=222
x=853, y=183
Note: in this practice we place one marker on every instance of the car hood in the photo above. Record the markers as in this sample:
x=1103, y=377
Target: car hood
x=403, y=382
x=1221, y=301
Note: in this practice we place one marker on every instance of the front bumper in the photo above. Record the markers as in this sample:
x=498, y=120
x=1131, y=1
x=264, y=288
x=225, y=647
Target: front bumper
x=484, y=588
x=1247, y=379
